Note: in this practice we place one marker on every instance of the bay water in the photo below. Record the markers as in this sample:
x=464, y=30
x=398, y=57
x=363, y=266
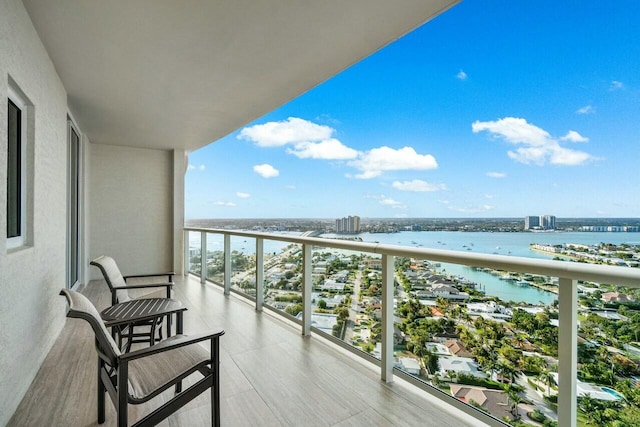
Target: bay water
x=513, y=244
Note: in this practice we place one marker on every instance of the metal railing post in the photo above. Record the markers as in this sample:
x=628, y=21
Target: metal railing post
x=203, y=257
x=386, y=367
x=227, y=264
x=306, y=290
x=259, y=273
x=187, y=259
x=567, y=352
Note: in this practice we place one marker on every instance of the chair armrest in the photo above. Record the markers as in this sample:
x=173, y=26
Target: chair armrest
x=145, y=285
x=171, y=344
x=170, y=274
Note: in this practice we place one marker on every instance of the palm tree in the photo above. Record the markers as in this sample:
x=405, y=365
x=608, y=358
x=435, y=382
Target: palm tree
x=549, y=379
x=506, y=370
x=515, y=400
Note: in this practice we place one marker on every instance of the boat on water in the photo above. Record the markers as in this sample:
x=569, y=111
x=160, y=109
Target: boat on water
x=522, y=283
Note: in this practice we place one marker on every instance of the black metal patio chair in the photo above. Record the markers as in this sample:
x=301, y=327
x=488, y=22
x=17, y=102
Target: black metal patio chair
x=141, y=375
x=145, y=331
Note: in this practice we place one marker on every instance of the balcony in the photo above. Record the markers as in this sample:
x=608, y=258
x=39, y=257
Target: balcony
x=281, y=370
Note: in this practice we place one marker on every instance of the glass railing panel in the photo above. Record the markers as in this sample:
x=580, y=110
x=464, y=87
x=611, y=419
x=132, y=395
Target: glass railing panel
x=476, y=338
x=335, y=280
x=283, y=276
x=364, y=328
x=194, y=252
x=243, y=265
x=346, y=297
x=215, y=258
x=608, y=352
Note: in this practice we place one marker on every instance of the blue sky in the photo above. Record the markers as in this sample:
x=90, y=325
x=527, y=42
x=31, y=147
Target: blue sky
x=492, y=109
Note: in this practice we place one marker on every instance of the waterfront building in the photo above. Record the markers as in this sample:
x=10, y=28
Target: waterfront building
x=548, y=222
x=348, y=225
x=611, y=228
x=531, y=222
x=541, y=222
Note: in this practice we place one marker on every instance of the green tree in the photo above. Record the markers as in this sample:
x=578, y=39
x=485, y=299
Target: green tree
x=431, y=362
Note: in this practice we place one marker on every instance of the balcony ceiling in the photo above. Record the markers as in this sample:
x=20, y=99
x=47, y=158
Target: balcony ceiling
x=181, y=74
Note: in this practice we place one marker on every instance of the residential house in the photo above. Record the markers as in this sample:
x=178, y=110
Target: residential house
x=495, y=401
x=457, y=348
x=460, y=365
x=615, y=297
x=410, y=365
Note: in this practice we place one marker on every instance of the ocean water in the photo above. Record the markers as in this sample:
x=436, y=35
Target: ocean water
x=514, y=244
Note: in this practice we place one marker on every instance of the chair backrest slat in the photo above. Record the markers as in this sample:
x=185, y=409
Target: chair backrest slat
x=80, y=307
x=113, y=276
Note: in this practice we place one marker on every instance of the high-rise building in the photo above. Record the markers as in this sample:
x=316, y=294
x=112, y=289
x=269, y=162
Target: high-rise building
x=548, y=222
x=542, y=222
x=350, y=225
x=531, y=222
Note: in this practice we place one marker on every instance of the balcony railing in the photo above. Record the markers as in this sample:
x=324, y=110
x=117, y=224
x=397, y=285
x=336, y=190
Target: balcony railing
x=237, y=272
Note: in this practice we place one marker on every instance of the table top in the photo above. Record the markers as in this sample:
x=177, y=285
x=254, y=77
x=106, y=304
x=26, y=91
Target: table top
x=140, y=309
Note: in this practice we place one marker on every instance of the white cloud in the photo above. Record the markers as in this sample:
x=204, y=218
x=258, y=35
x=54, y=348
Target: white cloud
x=574, y=136
x=309, y=140
x=496, y=174
x=615, y=85
x=417, y=185
x=587, y=109
x=228, y=204
x=291, y=131
x=537, y=145
x=392, y=203
x=329, y=149
x=266, y=170
x=243, y=195
x=461, y=75
x=290, y=187
x=378, y=160
x=194, y=167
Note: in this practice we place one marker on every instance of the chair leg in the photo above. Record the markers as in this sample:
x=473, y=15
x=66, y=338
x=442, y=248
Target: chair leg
x=123, y=388
x=215, y=388
x=101, y=393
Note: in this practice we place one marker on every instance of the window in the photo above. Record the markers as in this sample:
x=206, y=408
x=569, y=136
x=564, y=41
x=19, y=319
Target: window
x=16, y=169
x=73, y=205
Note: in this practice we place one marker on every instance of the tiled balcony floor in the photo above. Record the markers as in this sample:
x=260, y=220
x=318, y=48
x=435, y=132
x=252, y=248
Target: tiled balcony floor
x=270, y=376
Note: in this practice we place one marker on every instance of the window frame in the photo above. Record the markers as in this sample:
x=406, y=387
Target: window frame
x=17, y=99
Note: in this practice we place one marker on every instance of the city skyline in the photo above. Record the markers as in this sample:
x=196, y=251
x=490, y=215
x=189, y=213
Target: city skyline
x=491, y=109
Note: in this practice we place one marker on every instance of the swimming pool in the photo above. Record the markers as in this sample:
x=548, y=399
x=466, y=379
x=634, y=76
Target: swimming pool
x=613, y=393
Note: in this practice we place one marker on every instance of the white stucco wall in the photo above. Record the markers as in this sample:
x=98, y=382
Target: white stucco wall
x=131, y=208
x=31, y=312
